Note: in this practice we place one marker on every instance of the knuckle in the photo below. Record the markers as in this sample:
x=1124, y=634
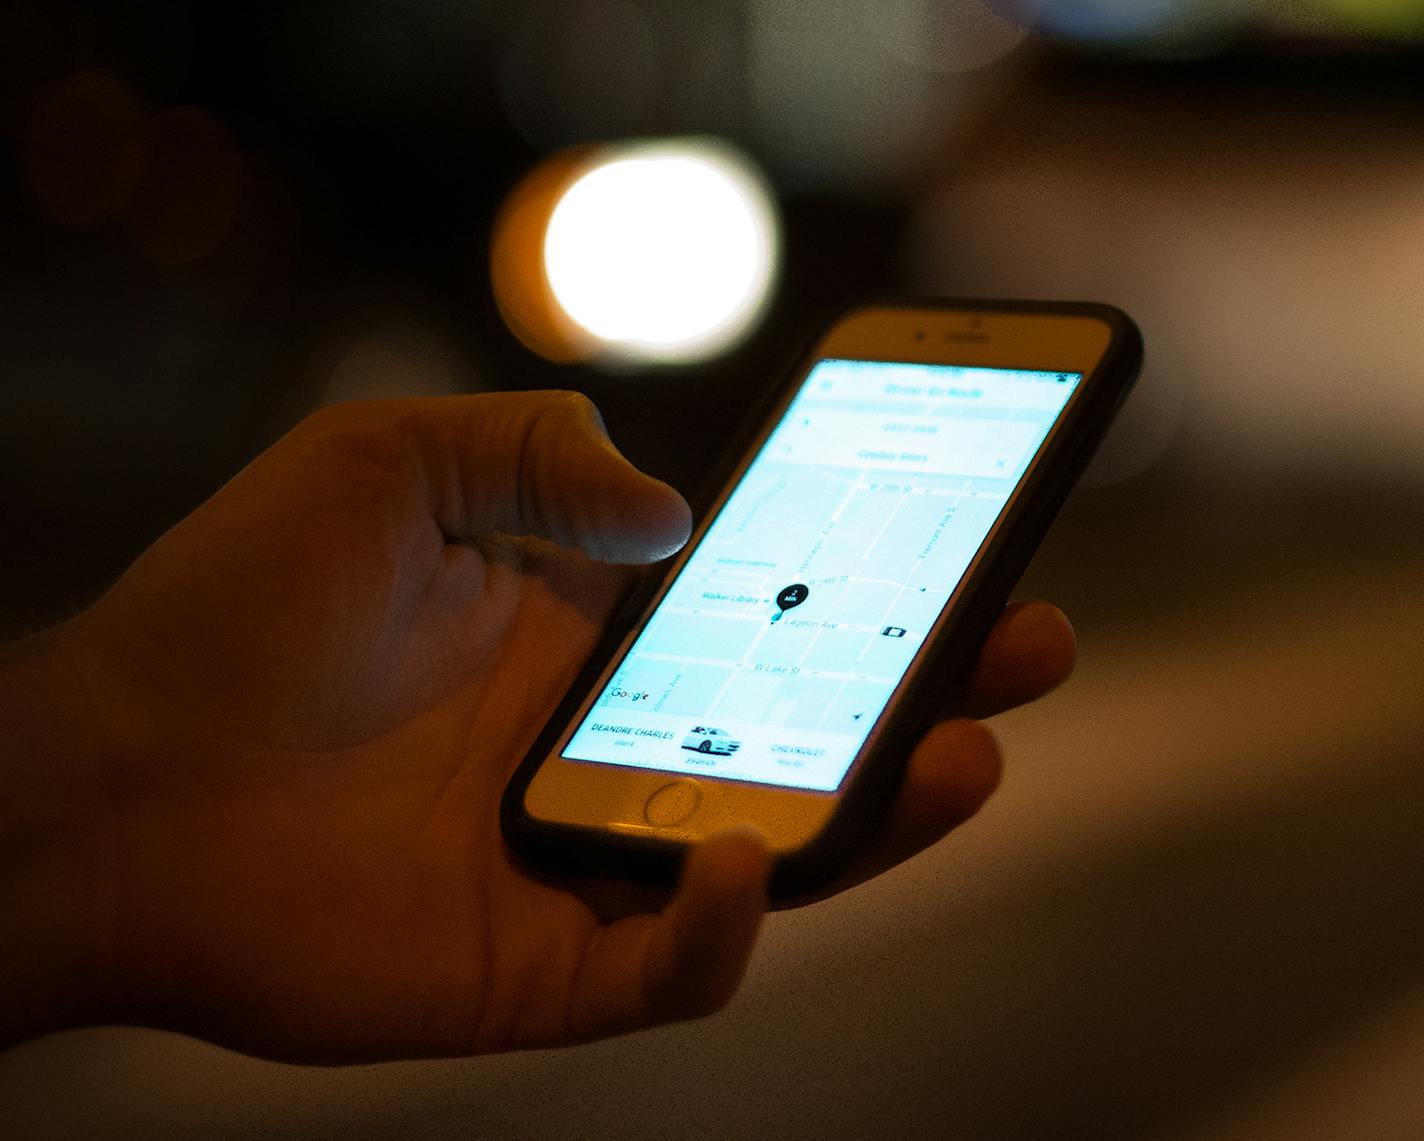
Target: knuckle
x=565, y=408
x=363, y=435
x=328, y=419
x=570, y=401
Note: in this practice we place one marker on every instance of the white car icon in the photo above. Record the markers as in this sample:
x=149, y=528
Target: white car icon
x=707, y=740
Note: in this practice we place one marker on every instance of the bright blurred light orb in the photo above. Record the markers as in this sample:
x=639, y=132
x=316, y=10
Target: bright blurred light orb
x=663, y=251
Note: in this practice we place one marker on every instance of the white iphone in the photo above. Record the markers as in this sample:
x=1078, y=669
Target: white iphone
x=831, y=603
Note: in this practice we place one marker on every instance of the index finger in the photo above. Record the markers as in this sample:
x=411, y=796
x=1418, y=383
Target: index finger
x=521, y=463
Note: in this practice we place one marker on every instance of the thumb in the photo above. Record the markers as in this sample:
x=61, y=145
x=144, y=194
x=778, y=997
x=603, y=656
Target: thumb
x=522, y=463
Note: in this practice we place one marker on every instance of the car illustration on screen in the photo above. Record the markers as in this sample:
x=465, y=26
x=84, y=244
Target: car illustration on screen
x=707, y=740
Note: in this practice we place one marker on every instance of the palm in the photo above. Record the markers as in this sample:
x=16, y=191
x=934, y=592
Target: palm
x=441, y=944
x=355, y=812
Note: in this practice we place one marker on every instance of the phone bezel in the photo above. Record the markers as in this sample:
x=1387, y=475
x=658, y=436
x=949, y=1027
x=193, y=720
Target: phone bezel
x=594, y=809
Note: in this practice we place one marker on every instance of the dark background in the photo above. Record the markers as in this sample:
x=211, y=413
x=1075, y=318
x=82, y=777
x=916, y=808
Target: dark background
x=1193, y=909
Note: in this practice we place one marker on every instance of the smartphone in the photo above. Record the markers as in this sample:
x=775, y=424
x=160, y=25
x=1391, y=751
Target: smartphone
x=833, y=599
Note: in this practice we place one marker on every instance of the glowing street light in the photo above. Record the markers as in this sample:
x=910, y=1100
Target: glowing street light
x=652, y=252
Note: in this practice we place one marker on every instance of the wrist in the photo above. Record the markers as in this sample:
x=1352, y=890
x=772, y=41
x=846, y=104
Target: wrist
x=57, y=901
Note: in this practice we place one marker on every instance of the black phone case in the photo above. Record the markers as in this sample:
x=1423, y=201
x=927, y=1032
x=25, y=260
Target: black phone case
x=932, y=691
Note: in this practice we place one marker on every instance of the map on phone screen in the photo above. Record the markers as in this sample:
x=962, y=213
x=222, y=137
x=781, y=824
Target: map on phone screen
x=782, y=639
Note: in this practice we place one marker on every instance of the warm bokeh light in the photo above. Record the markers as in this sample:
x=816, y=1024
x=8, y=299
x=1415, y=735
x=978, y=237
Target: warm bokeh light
x=521, y=287
x=663, y=251
x=193, y=188
x=385, y=352
x=84, y=149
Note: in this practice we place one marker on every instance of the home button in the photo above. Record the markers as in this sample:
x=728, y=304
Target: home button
x=673, y=803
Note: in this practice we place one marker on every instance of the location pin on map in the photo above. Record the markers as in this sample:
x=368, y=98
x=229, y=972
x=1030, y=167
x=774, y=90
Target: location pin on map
x=790, y=598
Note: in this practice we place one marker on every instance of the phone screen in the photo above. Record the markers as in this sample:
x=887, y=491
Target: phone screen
x=783, y=637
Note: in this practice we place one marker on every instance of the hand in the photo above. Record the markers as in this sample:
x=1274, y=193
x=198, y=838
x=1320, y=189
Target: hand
x=312, y=693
